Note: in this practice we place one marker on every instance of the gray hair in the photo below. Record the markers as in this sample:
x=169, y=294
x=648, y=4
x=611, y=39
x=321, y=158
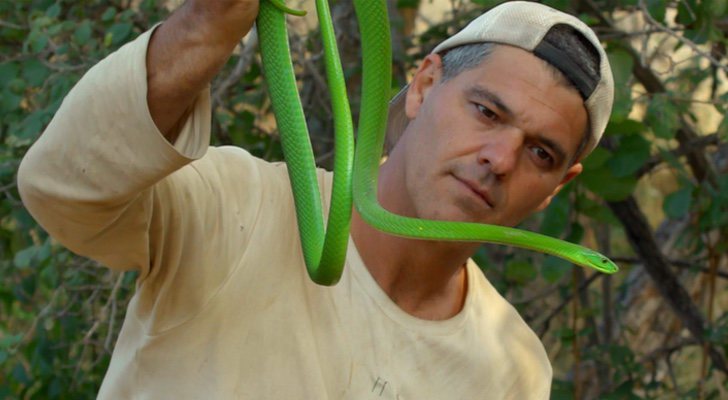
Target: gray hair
x=463, y=58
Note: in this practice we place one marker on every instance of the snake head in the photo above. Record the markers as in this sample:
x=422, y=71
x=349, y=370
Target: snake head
x=599, y=262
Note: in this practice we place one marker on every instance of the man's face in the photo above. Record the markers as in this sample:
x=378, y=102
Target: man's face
x=491, y=145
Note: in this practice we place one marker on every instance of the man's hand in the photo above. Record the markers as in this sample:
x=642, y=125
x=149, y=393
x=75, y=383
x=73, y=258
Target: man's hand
x=187, y=51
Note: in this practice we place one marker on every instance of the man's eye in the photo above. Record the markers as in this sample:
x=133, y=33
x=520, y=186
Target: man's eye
x=542, y=154
x=487, y=112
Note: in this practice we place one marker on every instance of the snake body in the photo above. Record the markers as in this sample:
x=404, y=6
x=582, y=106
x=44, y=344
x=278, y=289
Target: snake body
x=355, y=175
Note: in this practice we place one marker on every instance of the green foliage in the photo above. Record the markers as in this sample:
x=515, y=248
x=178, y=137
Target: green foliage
x=662, y=116
x=520, y=272
x=59, y=314
x=677, y=204
x=622, y=64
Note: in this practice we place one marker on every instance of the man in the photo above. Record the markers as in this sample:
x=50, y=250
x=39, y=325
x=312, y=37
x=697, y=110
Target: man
x=493, y=124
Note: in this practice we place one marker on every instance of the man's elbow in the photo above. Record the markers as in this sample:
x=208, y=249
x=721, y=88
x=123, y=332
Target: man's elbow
x=27, y=180
x=38, y=189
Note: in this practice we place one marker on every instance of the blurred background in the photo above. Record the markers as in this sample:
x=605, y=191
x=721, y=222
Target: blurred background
x=654, y=195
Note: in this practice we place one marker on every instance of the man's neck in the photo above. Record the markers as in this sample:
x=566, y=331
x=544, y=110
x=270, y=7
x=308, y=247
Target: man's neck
x=426, y=279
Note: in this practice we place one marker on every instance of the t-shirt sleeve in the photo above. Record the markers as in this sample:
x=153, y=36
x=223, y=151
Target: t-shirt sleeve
x=89, y=179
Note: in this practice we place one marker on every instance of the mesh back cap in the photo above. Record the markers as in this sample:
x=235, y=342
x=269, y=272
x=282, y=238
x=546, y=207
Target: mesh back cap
x=524, y=24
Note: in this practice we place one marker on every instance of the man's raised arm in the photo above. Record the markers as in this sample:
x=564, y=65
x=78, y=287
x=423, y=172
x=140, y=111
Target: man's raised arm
x=104, y=166
x=187, y=51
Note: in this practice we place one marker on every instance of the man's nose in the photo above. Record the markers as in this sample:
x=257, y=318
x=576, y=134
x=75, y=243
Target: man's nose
x=500, y=152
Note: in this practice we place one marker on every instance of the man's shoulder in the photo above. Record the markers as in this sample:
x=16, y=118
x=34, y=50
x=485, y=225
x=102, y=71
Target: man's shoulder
x=241, y=157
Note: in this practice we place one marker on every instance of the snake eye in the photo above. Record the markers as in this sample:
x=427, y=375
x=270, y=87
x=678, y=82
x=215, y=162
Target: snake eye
x=600, y=262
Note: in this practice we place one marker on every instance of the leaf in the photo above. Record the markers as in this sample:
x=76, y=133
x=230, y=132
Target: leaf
x=597, y=158
x=482, y=258
x=108, y=39
x=17, y=86
x=35, y=254
x=41, y=22
x=55, y=388
x=632, y=153
x=562, y=390
x=20, y=375
x=716, y=214
x=49, y=275
x=119, y=32
x=602, y=182
x=35, y=72
x=24, y=258
x=485, y=3
x=700, y=34
x=558, y=4
x=556, y=216
x=576, y=233
x=717, y=8
x=9, y=101
x=565, y=334
x=554, y=268
x=625, y=127
x=109, y=14
x=678, y=203
x=662, y=116
x=8, y=72
x=83, y=33
x=621, y=63
x=520, y=272
x=9, y=341
x=723, y=188
x=718, y=332
x=31, y=126
x=37, y=41
x=624, y=392
x=54, y=10
x=657, y=9
x=595, y=210
x=723, y=129
x=686, y=12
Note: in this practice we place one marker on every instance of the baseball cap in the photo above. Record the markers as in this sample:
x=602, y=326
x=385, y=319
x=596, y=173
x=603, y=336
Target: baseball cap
x=525, y=24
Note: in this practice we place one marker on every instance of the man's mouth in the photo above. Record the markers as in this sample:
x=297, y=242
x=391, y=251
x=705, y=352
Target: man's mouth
x=477, y=190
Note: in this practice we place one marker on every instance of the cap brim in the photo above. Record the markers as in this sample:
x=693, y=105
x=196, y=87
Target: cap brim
x=397, y=119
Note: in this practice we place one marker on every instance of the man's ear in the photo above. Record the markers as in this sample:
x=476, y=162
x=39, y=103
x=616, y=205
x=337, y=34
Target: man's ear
x=427, y=75
x=571, y=173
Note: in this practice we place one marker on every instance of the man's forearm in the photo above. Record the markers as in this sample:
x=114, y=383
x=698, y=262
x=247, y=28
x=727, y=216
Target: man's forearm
x=187, y=51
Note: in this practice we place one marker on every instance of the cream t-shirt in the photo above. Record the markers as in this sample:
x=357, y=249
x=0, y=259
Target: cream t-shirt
x=223, y=307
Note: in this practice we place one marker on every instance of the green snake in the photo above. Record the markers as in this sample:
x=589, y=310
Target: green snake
x=356, y=170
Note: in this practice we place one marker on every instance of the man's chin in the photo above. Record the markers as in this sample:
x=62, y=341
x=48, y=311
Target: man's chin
x=459, y=215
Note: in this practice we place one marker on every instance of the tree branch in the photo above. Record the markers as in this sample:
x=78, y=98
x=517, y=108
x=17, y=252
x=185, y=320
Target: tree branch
x=247, y=52
x=676, y=263
x=657, y=267
x=584, y=284
x=697, y=144
x=713, y=61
